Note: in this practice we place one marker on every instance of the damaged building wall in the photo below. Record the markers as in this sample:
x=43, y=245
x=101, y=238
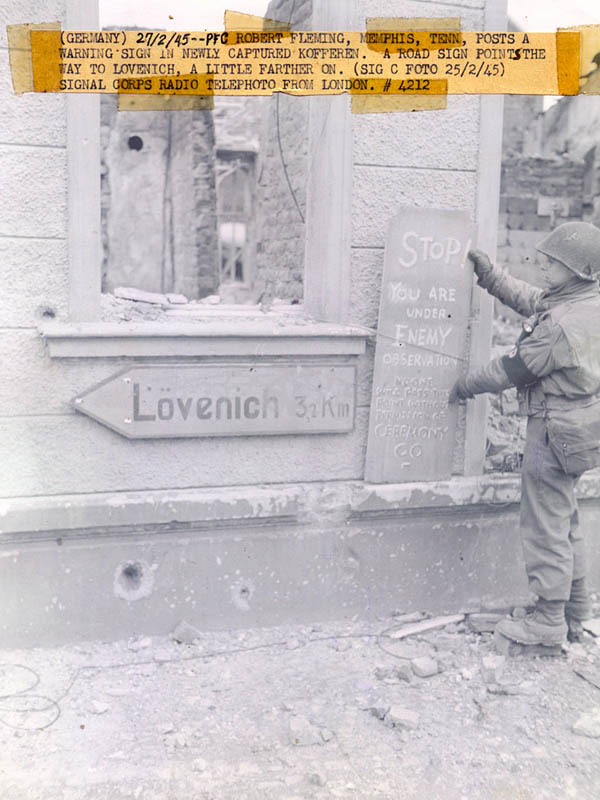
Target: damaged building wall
x=87, y=507
x=158, y=180
x=536, y=194
x=569, y=127
x=282, y=178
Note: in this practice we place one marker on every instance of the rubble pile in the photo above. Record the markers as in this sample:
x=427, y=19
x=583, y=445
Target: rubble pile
x=405, y=706
x=506, y=429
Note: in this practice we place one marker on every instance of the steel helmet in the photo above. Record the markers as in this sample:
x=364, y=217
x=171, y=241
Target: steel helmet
x=577, y=246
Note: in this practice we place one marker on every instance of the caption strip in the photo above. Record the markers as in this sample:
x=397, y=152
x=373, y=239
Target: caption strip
x=393, y=63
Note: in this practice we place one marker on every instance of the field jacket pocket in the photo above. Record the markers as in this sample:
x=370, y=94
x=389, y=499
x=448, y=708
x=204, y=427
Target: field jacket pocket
x=574, y=437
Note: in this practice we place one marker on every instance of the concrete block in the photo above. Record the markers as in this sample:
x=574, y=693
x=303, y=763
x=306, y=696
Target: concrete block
x=588, y=724
x=46, y=386
x=405, y=673
x=17, y=11
x=444, y=139
x=399, y=717
x=185, y=633
x=33, y=118
x=492, y=667
x=378, y=192
x=34, y=277
x=302, y=732
x=424, y=667
x=94, y=458
x=37, y=180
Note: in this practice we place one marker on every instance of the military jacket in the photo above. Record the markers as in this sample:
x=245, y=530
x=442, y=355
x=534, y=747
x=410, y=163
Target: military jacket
x=555, y=364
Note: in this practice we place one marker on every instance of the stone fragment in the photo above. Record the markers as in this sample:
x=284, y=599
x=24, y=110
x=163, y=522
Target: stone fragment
x=588, y=724
x=381, y=672
x=592, y=626
x=176, y=299
x=316, y=780
x=403, y=619
x=424, y=667
x=425, y=625
x=166, y=727
x=181, y=740
x=162, y=656
x=302, y=733
x=405, y=672
x=483, y=623
x=294, y=644
x=139, y=295
x=99, y=708
x=211, y=300
x=446, y=660
x=379, y=711
x=577, y=650
x=492, y=667
x=139, y=643
x=400, y=717
x=185, y=633
x=326, y=734
x=341, y=645
x=589, y=672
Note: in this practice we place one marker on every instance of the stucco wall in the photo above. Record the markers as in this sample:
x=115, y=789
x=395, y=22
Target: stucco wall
x=33, y=229
x=423, y=159
x=33, y=163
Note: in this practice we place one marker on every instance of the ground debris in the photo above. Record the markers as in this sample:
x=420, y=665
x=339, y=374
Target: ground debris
x=185, y=633
x=589, y=673
x=98, y=707
x=425, y=667
x=140, y=296
x=399, y=717
x=216, y=729
x=303, y=733
x=588, y=724
x=425, y=625
x=492, y=667
x=483, y=623
x=139, y=643
x=592, y=626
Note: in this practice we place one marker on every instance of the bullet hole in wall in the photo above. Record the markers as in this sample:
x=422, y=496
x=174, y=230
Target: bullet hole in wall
x=241, y=594
x=132, y=575
x=133, y=580
x=135, y=142
x=46, y=312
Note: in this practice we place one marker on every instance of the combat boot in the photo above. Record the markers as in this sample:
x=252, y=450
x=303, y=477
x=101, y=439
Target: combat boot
x=545, y=625
x=577, y=609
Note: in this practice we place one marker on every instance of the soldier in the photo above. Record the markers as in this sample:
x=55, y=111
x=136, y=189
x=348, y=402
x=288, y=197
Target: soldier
x=555, y=366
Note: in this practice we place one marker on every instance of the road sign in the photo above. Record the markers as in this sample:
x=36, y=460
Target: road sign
x=159, y=401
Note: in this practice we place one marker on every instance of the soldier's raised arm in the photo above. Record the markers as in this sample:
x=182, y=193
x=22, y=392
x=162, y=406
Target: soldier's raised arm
x=519, y=295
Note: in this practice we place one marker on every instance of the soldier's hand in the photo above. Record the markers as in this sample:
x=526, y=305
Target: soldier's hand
x=481, y=261
x=459, y=391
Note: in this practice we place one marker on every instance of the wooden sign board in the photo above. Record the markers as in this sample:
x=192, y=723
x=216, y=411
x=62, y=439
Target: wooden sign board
x=228, y=400
x=421, y=345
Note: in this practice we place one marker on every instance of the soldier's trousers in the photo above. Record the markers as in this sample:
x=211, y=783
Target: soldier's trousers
x=553, y=543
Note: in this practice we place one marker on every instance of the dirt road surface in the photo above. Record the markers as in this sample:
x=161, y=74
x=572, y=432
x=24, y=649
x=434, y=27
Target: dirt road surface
x=322, y=711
